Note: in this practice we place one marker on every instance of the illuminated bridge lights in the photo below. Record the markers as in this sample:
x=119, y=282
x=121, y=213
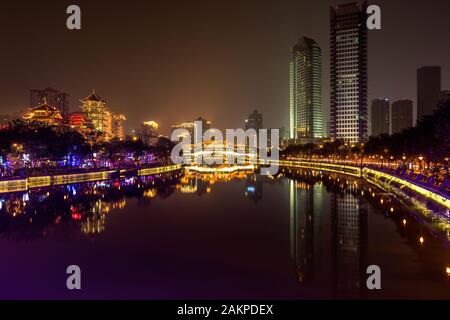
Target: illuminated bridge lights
x=227, y=169
x=151, y=171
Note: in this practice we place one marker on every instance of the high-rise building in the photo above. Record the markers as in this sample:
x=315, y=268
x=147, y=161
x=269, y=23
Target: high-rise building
x=149, y=132
x=305, y=91
x=108, y=130
x=118, y=126
x=189, y=126
x=428, y=90
x=348, y=78
x=206, y=124
x=54, y=98
x=380, y=117
x=254, y=121
x=402, y=115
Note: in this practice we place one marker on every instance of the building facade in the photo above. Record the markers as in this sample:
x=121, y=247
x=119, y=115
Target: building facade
x=428, y=90
x=380, y=117
x=54, y=98
x=402, y=115
x=348, y=78
x=305, y=91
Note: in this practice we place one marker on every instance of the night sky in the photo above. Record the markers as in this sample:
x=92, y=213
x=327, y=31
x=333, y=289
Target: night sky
x=172, y=61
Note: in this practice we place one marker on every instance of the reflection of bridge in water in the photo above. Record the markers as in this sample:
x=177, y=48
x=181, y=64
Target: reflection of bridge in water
x=221, y=161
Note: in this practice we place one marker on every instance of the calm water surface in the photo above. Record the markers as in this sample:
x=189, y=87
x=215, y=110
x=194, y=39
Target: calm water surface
x=300, y=235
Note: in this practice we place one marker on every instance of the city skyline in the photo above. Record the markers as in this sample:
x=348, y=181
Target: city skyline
x=220, y=150
x=170, y=89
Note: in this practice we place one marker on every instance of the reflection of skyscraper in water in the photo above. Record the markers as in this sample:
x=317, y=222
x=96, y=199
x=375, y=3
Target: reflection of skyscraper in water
x=254, y=188
x=349, y=229
x=328, y=236
x=302, y=204
x=309, y=218
x=202, y=186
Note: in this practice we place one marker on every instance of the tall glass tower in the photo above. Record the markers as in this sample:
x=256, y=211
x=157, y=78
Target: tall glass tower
x=305, y=86
x=348, y=78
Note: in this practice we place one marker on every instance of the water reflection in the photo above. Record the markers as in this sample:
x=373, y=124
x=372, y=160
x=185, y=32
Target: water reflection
x=329, y=232
x=254, y=187
x=28, y=215
x=337, y=225
x=330, y=229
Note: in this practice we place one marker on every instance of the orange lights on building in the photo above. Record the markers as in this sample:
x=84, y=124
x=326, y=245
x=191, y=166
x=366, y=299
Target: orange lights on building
x=44, y=113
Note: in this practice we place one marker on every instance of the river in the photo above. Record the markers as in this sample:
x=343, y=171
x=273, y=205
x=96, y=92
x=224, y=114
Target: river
x=299, y=235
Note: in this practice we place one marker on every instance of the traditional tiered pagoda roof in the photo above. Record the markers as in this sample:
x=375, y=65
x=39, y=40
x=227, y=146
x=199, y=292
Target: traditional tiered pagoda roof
x=44, y=113
x=93, y=97
x=44, y=106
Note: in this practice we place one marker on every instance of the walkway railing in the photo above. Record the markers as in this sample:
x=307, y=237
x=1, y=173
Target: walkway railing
x=423, y=189
x=22, y=184
x=315, y=165
x=157, y=170
x=430, y=191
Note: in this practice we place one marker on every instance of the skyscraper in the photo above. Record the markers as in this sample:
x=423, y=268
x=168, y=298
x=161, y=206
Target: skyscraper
x=402, y=115
x=428, y=90
x=54, y=98
x=305, y=91
x=149, y=132
x=254, y=121
x=205, y=123
x=348, y=31
x=380, y=117
x=118, y=125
